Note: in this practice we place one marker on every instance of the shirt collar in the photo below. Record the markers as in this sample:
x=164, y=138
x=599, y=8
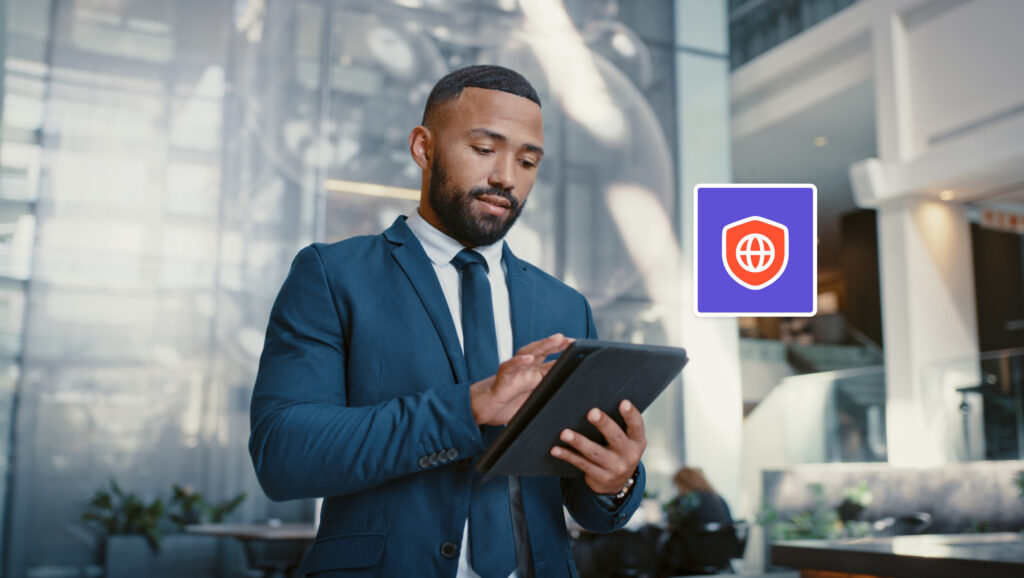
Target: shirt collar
x=441, y=248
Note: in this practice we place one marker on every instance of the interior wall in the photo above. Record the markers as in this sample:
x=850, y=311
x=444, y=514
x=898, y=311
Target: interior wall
x=859, y=258
x=999, y=285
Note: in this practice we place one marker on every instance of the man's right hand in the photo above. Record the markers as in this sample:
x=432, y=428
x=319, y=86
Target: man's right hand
x=496, y=399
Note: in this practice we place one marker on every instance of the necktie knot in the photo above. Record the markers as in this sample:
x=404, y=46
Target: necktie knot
x=468, y=257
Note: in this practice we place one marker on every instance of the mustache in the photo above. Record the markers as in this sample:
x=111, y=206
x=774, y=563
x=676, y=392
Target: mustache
x=513, y=202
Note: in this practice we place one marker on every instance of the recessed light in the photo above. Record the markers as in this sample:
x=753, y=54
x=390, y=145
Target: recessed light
x=947, y=195
x=820, y=141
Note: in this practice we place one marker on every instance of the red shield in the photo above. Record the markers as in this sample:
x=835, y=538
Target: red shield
x=755, y=251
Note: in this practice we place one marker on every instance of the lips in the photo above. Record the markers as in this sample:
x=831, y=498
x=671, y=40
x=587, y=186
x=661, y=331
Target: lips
x=494, y=205
x=495, y=200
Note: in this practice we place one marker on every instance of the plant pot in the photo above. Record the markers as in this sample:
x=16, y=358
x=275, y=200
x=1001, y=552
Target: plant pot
x=180, y=555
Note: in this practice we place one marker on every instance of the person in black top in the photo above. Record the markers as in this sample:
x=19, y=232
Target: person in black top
x=698, y=504
x=701, y=536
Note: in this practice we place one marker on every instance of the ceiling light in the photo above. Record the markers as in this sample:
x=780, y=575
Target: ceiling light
x=947, y=195
x=820, y=141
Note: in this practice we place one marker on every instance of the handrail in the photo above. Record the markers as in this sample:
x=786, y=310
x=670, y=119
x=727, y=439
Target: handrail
x=980, y=356
x=863, y=340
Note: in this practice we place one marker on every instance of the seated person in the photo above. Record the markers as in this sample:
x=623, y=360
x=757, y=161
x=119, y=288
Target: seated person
x=701, y=536
x=697, y=504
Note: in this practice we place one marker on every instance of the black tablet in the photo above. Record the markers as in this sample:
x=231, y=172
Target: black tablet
x=588, y=374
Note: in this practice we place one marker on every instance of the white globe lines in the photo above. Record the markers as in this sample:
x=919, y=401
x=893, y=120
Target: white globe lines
x=755, y=251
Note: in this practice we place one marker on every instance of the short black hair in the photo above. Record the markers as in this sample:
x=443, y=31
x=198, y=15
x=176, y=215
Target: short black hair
x=488, y=76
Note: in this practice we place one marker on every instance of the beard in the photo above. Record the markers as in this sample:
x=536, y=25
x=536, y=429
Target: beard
x=454, y=208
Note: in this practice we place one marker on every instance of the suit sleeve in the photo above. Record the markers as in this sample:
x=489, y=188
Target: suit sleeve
x=305, y=441
x=583, y=503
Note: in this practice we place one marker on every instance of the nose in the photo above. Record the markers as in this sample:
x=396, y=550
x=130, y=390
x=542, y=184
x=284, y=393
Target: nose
x=503, y=173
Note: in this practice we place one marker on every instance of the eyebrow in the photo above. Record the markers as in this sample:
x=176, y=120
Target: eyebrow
x=502, y=138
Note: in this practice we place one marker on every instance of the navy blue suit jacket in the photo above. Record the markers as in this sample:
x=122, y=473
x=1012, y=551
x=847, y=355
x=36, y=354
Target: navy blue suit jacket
x=362, y=397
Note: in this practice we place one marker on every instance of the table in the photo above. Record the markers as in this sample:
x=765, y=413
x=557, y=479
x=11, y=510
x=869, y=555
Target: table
x=266, y=532
x=933, y=555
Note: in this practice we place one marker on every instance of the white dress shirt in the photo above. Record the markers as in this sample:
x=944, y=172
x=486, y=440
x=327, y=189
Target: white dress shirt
x=441, y=249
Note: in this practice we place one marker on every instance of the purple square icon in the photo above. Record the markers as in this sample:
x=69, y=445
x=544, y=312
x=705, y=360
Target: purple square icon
x=755, y=250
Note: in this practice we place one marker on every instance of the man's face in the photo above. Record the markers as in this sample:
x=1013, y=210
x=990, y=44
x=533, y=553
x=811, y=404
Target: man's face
x=487, y=147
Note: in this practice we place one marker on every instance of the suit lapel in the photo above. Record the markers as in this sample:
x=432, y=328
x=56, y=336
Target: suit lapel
x=521, y=300
x=417, y=268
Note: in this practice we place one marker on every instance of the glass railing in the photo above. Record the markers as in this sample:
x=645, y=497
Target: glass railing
x=987, y=391
x=833, y=416
x=756, y=26
x=839, y=416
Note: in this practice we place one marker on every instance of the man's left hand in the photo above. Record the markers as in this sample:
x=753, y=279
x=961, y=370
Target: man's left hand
x=606, y=469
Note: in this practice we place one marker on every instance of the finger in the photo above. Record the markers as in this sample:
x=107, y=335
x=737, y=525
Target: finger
x=510, y=373
x=634, y=421
x=611, y=431
x=546, y=366
x=591, y=450
x=552, y=349
x=517, y=363
x=548, y=345
x=541, y=344
x=586, y=466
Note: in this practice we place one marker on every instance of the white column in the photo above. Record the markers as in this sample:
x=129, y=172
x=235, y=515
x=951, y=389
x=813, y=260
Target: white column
x=927, y=277
x=712, y=399
x=928, y=316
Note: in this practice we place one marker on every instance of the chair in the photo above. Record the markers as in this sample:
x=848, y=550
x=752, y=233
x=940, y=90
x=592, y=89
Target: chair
x=917, y=523
x=702, y=550
x=620, y=554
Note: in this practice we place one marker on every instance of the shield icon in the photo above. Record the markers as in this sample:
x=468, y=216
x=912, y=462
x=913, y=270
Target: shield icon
x=755, y=251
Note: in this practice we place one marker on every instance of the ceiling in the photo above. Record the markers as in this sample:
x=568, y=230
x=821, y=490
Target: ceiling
x=785, y=152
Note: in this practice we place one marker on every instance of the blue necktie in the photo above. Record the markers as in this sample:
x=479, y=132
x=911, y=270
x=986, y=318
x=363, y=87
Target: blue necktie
x=491, y=542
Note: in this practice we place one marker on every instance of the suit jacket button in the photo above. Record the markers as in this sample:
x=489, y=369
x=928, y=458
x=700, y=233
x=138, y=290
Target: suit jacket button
x=449, y=550
x=424, y=462
x=451, y=454
x=432, y=460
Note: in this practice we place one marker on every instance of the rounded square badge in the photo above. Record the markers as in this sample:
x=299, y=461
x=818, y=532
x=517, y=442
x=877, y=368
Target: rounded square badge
x=755, y=250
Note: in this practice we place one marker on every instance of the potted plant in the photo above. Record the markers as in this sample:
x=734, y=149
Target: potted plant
x=119, y=513
x=821, y=522
x=193, y=509
x=136, y=543
x=856, y=499
x=818, y=523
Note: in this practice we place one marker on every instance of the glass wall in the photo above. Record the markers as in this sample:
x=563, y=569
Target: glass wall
x=130, y=140
x=162, y=162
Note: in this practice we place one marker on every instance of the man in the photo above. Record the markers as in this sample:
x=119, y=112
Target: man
x=379, y=382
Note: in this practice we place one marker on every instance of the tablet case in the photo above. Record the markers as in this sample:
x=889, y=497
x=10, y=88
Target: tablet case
x=588, y=374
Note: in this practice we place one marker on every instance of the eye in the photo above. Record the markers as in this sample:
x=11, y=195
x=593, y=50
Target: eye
x=482, y=150
x=528, y=164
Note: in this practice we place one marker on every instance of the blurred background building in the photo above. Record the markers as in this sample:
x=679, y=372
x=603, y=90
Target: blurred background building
x=161, y=162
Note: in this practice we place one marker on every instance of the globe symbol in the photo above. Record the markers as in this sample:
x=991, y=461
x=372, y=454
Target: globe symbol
x=755, y=253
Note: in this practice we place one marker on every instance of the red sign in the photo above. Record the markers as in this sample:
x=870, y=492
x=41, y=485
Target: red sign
x=1003, y=221
x=755, y=251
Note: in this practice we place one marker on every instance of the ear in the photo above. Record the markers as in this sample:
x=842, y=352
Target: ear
x=421, y=146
